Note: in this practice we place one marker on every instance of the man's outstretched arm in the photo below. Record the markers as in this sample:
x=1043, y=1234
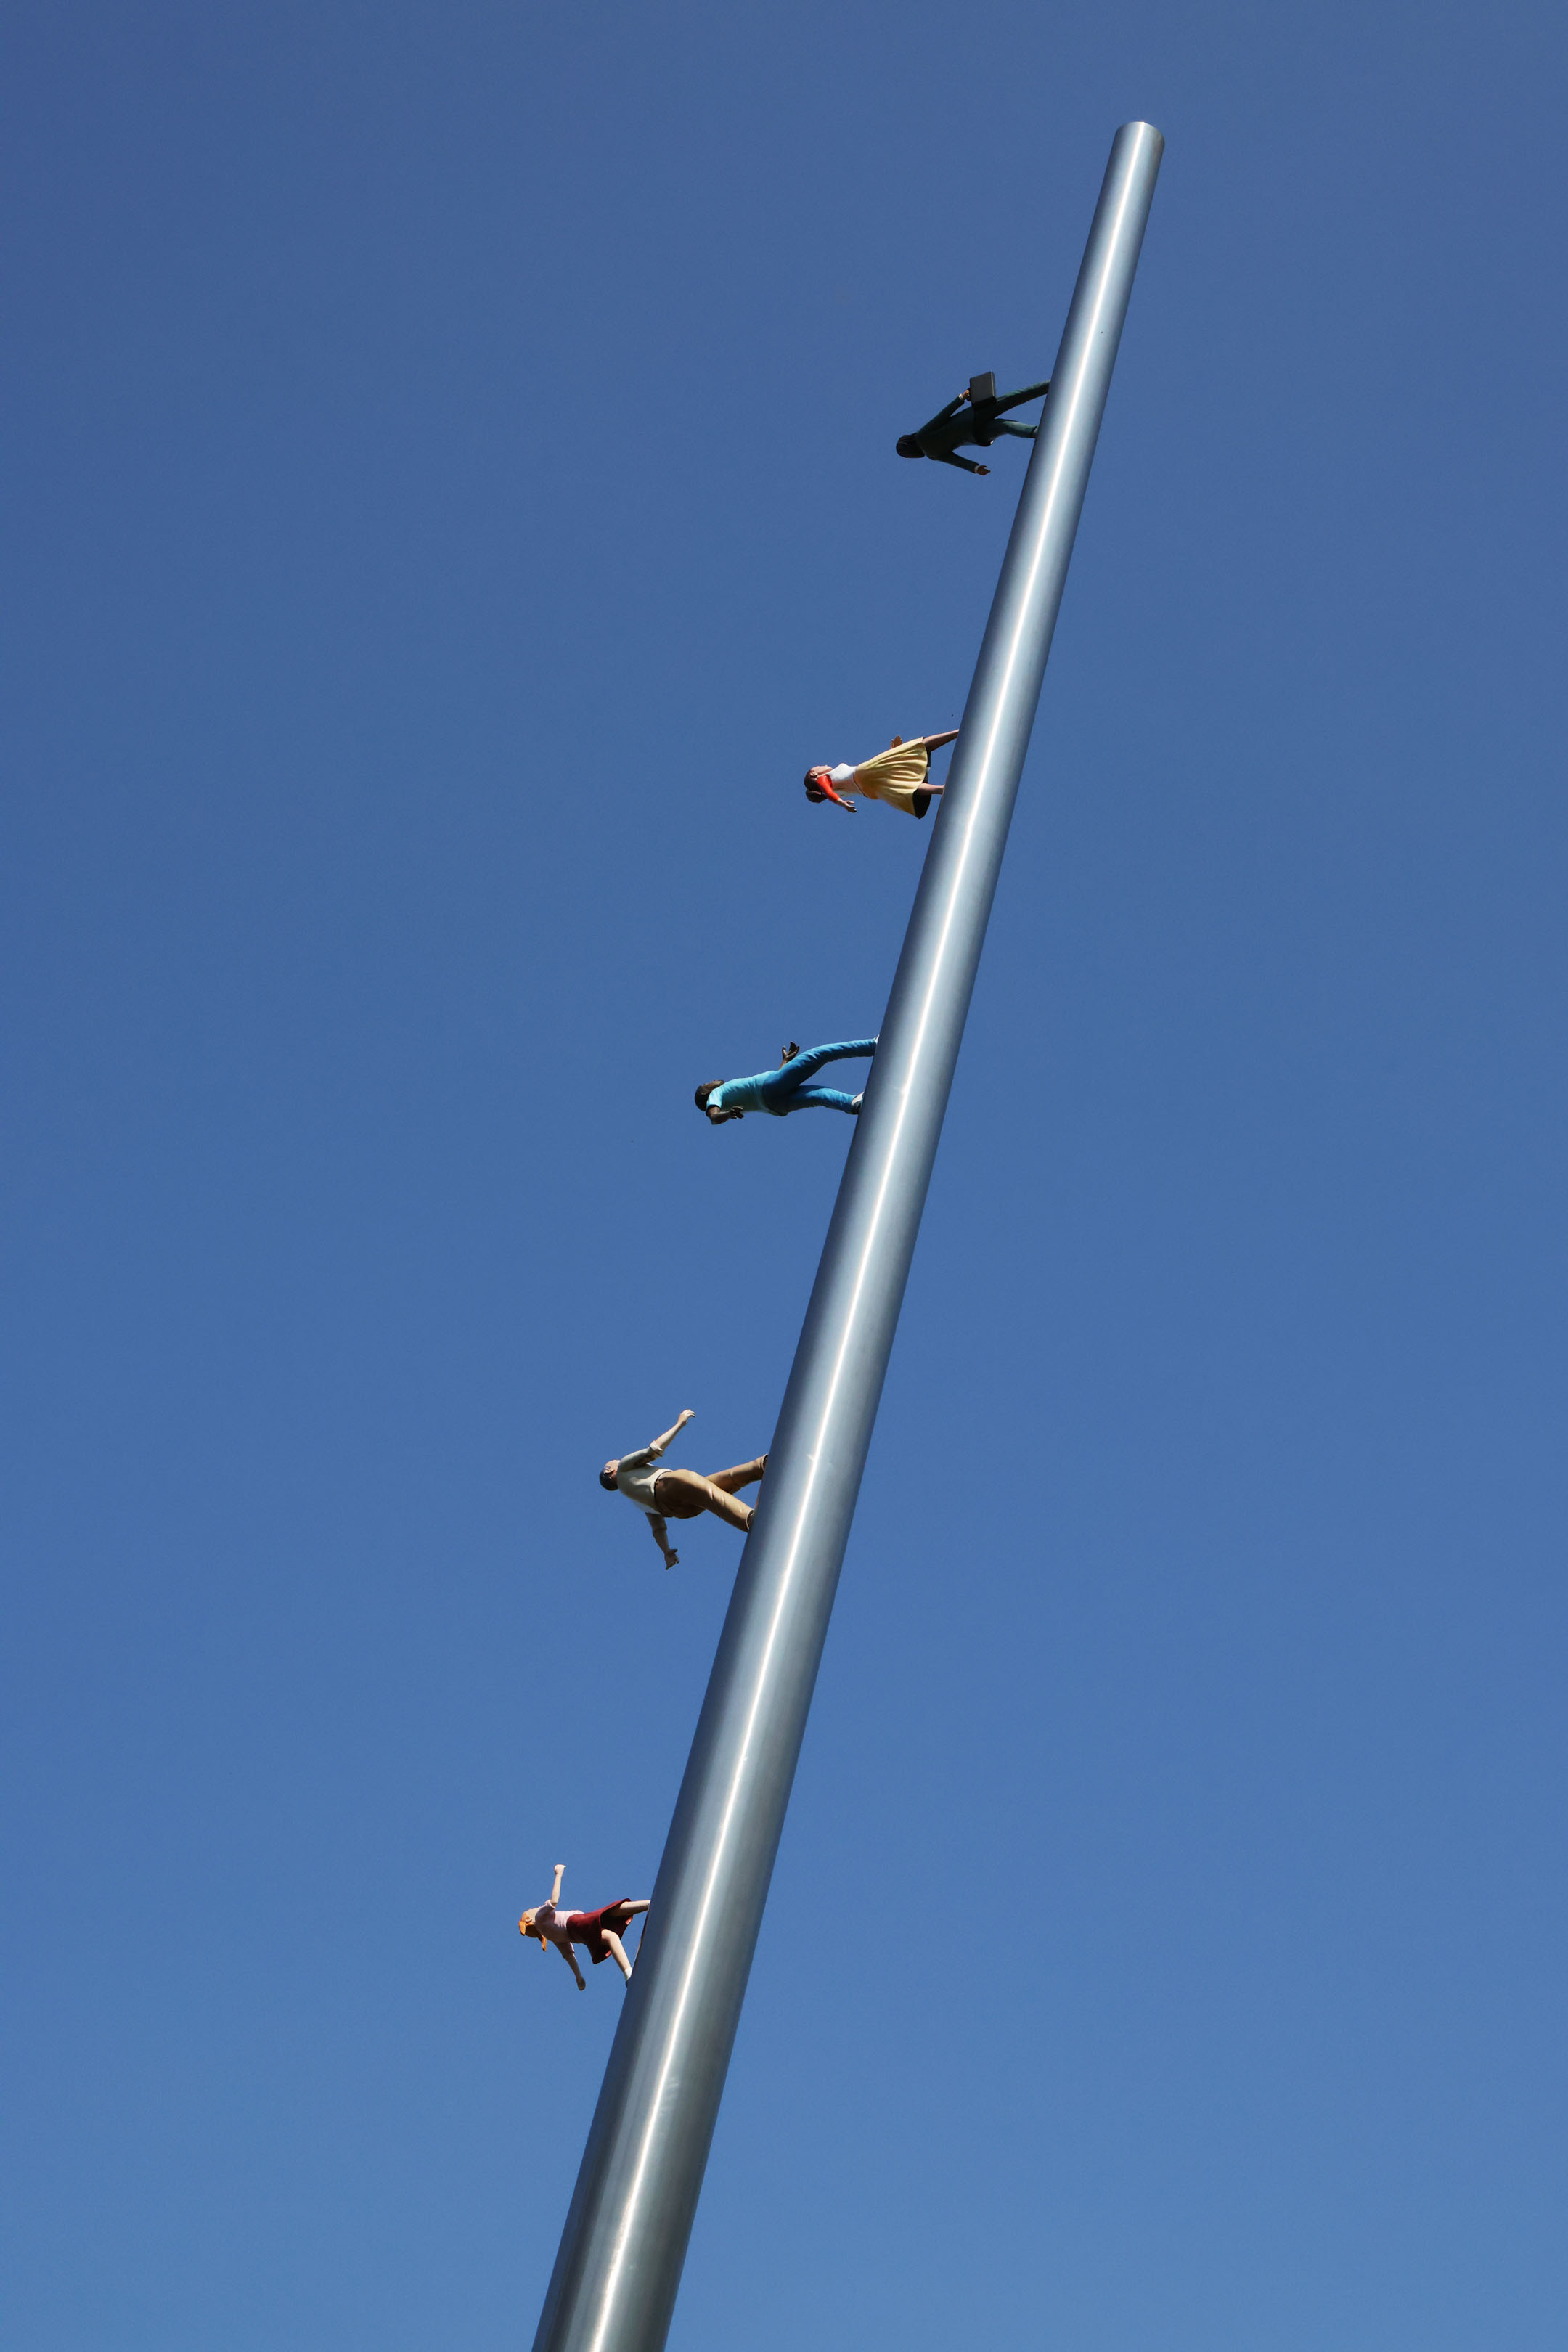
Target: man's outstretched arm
x=646, y=1454
x=657, y=1448
x=965, y=465
x=661, y=1537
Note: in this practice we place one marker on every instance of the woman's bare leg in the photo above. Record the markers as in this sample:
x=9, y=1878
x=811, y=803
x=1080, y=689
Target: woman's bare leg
x=619, y=1953
x=570, y=1957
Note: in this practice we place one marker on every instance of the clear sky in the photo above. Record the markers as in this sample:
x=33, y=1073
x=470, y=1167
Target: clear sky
x=450, y=498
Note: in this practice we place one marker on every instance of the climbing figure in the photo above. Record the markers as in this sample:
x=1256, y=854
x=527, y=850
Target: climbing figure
x=948, y=431
x=784, y=1089
x=898, y=775
x=681, y=1494
x=598, y=1932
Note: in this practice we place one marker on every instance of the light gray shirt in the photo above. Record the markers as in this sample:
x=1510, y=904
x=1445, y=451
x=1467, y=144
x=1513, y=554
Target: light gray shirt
x=635, y=1476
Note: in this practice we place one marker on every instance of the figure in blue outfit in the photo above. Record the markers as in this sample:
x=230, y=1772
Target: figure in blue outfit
x=786, y=1089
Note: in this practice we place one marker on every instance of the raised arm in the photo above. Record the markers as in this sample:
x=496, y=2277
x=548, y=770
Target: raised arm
x=555, y=1890
x=646, y=1454
x=657, y=1448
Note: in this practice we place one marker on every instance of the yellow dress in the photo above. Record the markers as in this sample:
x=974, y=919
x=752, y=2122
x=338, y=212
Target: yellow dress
x=896, y=775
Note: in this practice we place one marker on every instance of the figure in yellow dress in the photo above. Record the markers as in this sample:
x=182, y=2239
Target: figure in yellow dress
x=899, y=775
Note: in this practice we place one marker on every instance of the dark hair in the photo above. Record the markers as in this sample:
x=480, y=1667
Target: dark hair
x=814, y=791
x=709, y=1087
x=607, y=1482
x=908, y=446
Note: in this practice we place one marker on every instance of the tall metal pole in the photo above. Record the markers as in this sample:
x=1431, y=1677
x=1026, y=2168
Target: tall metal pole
x=624, y=2241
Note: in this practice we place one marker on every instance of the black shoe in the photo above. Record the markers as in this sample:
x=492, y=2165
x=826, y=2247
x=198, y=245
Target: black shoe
x=920, y=803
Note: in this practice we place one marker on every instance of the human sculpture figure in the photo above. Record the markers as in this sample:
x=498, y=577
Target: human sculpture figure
x=786, y=1089
x=972, y=420
x=898, y=775
x=598, y=1932
x=681, y=1494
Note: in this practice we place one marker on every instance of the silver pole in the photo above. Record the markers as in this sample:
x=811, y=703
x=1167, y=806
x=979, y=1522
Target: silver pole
x=624, y=2241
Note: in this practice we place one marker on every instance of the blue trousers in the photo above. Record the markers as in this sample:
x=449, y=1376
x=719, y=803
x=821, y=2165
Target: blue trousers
x=781, y=1091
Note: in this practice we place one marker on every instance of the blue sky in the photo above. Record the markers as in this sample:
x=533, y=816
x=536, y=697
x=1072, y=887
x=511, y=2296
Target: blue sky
x=450, y=499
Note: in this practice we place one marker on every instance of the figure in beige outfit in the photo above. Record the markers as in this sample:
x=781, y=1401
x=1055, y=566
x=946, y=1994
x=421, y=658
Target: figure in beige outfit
x=899, y=775
x=681, y=1494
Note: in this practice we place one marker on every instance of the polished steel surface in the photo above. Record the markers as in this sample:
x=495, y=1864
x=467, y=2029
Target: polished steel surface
x=619, y=2265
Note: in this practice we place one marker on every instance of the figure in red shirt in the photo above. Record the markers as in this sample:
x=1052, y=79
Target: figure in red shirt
x=598, y=1932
